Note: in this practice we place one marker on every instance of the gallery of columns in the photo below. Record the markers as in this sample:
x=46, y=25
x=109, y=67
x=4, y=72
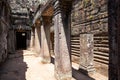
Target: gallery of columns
x=77, y=36
x=77, y=32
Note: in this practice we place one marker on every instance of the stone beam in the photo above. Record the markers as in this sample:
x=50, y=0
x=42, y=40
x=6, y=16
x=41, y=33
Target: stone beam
x=19, y=17
x=41, y=10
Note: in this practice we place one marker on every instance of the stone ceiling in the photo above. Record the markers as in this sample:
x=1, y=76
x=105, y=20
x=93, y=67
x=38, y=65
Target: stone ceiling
x=23, y=5
x=23, y=10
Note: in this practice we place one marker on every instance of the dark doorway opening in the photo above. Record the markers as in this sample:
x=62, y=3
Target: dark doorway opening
x=21, y=40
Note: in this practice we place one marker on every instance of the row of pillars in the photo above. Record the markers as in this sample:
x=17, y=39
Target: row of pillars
x=63, y=69
x=63, y=66
x=41, y=35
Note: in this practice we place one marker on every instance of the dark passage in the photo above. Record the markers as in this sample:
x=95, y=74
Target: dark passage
x=21, y=40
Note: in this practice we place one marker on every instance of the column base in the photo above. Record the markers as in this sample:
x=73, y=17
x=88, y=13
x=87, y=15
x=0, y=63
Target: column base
x=45, y=61
x=89, y=70
x=67, y=76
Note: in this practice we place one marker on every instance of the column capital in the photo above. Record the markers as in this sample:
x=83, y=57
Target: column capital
x=56, y=5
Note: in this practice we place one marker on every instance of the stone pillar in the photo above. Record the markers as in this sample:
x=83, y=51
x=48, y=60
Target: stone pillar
x=45, y=41
x=61, y=48
x=114, y=39
x=86, y=53
x=32, y=39
x=28, y=39
x=37, y=46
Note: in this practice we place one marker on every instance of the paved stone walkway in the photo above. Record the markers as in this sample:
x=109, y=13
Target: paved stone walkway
x=27, y=67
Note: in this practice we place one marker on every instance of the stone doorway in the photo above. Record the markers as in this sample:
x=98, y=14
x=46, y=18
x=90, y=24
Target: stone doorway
x=21, y=40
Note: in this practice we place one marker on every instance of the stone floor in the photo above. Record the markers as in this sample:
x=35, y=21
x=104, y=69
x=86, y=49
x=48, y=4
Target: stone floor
x=95, y=76
x=25, y=65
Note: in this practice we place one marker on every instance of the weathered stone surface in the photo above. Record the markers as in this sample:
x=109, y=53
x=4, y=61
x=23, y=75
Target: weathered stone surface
x=32, y=38
x=4, y=27
x=62, y=58
x=37, y=41
x=3, y=42
x=92, y=14
x=11, y=41
x=45, y=43
x=86, y=53
x=61, y=48
x=22, y=5
x=28, y=33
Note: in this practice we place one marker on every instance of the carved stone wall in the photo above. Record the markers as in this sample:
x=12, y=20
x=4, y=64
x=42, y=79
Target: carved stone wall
x=91, y=16
x=3, y=42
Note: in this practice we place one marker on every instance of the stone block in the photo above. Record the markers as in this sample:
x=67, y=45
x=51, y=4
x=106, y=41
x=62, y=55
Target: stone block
x=86, y=53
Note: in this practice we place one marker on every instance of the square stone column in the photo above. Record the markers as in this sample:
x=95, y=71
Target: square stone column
x=61, y=47
x=86, y=53
x=32, y=41
x=37, y=43
x=45, y=44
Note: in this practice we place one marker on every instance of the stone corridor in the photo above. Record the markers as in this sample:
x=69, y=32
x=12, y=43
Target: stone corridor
x=59, y=39
x=24, y=65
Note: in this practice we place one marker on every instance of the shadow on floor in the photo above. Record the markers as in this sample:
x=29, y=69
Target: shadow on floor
x=14, y=67
x=76, y=73
x=80, y=76
x=52, y=60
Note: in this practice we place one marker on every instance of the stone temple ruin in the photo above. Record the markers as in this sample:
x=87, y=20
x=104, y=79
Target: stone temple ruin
x=81, y=32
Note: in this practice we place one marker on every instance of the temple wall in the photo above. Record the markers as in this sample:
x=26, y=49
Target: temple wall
x=91, y=16
x=4, y=28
